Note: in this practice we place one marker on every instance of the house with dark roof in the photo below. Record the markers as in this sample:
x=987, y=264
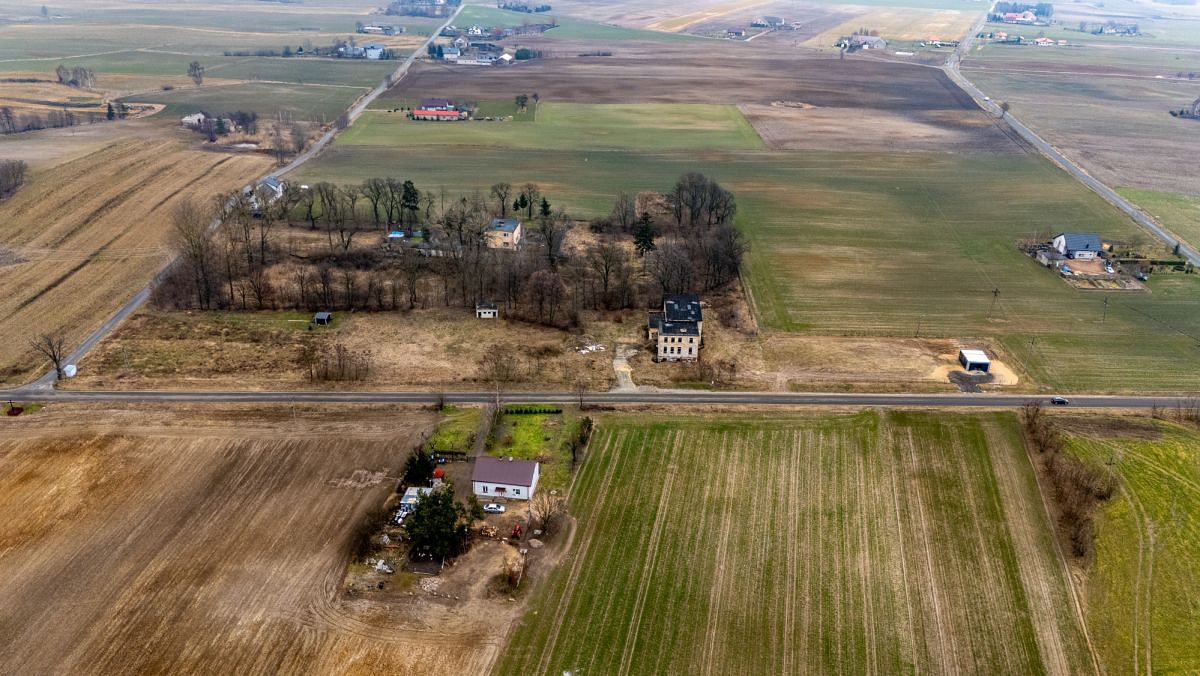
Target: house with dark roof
x=1082, y=246
x=504, y=478
x=504, y=233
x=677, y=330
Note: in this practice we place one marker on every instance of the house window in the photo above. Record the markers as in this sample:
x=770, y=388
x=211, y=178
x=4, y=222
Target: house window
x=516, y=491
x=484, y=488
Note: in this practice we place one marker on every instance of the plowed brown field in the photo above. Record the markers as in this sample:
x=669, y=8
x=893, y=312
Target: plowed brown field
x=84, y=236
x=208, y=541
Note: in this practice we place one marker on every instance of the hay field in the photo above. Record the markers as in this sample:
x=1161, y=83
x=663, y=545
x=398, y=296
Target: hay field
x=573, y=126
x=82, y=237
x=861, y=544
x=1140, y=592
x=901, y=24
x=207, y=540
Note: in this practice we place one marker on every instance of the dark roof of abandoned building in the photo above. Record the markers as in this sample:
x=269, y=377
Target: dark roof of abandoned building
x=654, y=320
x=679, y=329
x=485, y=306
x=1081, y=241
x=682, y=307
x=504, y=225
x=504, y=471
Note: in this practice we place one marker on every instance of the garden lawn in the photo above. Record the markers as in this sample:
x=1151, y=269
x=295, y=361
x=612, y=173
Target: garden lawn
x=544, y=437
x=456, y=431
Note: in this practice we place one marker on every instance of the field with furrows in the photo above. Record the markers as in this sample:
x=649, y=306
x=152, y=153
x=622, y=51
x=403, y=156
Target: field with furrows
x=868, y=543
x=83, y=237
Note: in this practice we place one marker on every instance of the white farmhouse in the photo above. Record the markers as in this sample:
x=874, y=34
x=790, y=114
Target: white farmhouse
x=1081, y=246
x=504, y=478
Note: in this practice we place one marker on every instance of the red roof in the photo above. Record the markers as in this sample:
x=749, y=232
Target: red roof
x=437, y=113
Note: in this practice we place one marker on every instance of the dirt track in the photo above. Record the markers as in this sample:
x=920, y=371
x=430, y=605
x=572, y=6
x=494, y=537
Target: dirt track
x=204, y=541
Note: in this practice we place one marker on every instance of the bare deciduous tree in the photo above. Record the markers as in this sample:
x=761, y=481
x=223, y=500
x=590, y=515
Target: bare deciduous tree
x=502, y=191
x=546, y=510
x=52, y=346
x=190, y=235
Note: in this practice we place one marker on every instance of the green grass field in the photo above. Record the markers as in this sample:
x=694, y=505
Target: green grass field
x=1180, y=213
x=851, y=544
x=573, y=126
x=854, y=244
x=455, y=431
x=1142, y=609
x=302, y=102
x=567, y=29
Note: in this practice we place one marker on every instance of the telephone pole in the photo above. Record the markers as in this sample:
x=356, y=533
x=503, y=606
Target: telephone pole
x=995, y=295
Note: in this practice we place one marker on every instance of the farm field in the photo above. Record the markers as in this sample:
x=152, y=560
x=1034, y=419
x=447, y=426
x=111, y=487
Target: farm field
x=573, y=126
x=1140, y=604
x=568, y=28
x=896, y=25
x=83, y=236
x=859, y=543
x=1180, y=213
x=874, y=244
x=206, y=540
x=316, y=103
x=154, y=45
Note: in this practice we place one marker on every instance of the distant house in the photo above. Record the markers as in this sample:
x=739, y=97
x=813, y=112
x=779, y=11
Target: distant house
x=439, y=115
x=504, y=233
x=867, y=42
x=735, y=32
x=451, y=54
x=1043, y=42
x=504, y=478
x=1026, y=17
x=374, y=51
x=193, y=121
x=1081, y=246
x=974, y=360
x=677, y=330
x=486, y=311
x=436, y=104
x=323, y=318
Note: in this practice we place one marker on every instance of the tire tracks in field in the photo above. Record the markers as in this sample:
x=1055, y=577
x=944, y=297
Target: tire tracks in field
x=1143, y=587
x=791, y=568
x=864, y=563
x=732, y=476
x=664, y=505
x=1032, y=567
x=207, y=172
x=580, y=557
x=943, y=638
x=904, y=576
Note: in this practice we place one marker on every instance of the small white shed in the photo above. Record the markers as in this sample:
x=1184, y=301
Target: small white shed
x=974, y=360
x=487, y=311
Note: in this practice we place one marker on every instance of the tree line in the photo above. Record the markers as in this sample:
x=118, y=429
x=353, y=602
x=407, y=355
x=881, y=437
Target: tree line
x=692, y=245
x=12, y=175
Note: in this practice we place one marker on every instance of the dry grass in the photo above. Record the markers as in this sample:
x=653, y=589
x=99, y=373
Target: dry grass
x=423, y=349
x=209, y=540
x=903, y=24
x=90, y=232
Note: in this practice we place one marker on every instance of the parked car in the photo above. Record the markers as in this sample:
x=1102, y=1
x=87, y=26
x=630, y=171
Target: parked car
x=1060, y=401
x=493, y=508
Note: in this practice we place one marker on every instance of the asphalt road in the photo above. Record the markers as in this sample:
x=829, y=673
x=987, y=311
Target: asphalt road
x=1140, y=217
x=676, y=397
x=46, y=381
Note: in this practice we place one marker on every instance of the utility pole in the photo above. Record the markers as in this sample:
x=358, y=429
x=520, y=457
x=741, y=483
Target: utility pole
x=995, y=295
x=1104, y=317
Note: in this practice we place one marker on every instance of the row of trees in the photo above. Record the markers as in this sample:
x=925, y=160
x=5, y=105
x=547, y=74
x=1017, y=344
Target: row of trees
x=12, y=122
x=245, y=266
x=1077, y=488
x=12, y=175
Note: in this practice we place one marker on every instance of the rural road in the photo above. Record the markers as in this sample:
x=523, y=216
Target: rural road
x=676, y=397
x=1140, y=217
x=47, y=380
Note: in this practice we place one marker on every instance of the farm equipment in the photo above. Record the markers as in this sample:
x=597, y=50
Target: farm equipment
x=516, y=531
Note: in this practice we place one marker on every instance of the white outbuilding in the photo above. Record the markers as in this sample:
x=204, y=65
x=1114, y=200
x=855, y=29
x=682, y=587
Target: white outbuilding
x=504, y=478
x=974, y=360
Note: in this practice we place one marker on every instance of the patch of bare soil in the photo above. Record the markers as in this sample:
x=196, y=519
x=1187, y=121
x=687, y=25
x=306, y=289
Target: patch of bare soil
x=210, y=540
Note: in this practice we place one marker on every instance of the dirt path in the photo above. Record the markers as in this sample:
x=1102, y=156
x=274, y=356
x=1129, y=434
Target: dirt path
x=622, y=369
